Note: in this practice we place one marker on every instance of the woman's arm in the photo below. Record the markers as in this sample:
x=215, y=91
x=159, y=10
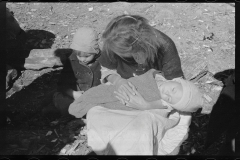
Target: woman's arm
x=137, y=101
x=108, y=68
x=108, y=75
x=171, y=63
x=113, y=77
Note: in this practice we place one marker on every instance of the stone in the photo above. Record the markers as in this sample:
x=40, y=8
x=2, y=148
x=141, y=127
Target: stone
x=46, y=58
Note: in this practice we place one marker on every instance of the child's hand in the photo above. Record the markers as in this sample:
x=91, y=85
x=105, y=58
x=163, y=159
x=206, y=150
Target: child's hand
x=77, y=94
x=135, y=101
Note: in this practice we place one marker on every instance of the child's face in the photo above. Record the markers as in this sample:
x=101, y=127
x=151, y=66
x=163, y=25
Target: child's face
x=171, y=91
x=85, y=57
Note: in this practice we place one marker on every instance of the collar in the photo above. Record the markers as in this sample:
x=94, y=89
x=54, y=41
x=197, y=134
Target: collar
x=157, y=72
x=73, y=57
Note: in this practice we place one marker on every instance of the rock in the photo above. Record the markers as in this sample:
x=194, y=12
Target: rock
x=52, y=23
x=42, y=58
x=90, y=9
x=125, y=12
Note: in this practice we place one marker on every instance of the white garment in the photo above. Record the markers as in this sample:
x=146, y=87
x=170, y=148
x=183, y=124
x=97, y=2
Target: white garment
x=174, y=137
x=106, y=72
x=118, y=132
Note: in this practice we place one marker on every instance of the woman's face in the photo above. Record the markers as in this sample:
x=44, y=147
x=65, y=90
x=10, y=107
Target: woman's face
x=125, y=55
x=138, y=58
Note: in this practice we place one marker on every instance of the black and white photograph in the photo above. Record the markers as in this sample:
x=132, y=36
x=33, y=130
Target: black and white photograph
x=120, y=78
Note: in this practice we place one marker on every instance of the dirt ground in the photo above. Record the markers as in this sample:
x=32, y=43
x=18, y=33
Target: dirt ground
x=204, y=34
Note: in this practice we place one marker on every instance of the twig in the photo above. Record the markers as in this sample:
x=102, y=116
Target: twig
x=40, y=148
x=56, y=144
x=56, y=133
x=69, y=152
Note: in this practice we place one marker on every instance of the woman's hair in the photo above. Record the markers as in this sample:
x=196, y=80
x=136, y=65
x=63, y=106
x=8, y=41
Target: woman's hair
x=131, y=34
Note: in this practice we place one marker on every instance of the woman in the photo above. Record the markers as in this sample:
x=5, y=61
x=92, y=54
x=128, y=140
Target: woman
x=131, y=47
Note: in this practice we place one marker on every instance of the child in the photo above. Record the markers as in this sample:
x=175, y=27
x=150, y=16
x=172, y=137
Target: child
x=178, y=94
x=81, y=71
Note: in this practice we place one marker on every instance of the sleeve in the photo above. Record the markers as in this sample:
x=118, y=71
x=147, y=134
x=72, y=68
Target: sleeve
x=174, y=137
x=106, y=61
x=108, y=66
x=67, y=79
x=106, y=72
x=171, y=60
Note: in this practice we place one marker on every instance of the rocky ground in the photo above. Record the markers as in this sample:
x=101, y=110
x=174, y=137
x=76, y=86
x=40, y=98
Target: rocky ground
x=204, y=34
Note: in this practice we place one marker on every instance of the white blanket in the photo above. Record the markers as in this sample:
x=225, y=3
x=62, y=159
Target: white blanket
x=119, y=132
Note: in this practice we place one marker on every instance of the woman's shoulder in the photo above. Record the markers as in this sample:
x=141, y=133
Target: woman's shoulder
x=106, y=60
x=164, y=38
x=165, y=41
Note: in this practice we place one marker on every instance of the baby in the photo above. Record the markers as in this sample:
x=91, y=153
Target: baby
x=178, y=94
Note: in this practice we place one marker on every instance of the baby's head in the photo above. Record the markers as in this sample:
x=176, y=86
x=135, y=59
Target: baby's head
x=181, y=95
x=85, y=44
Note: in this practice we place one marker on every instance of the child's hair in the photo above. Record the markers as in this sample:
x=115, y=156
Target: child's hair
x=131, y=34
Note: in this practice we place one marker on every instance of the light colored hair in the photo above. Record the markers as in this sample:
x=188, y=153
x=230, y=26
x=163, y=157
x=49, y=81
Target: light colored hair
x=131, y=34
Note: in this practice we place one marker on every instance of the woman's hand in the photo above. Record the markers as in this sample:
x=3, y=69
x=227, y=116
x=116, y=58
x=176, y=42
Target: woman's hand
x=134, y=100
x=121, y=83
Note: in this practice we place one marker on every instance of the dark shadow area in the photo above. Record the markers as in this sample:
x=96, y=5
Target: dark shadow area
x=19, y=43
x=224, y=116
x=24, y=110
x=63, y=54
x=223, y=76
x=40, y=90
x=19, y=49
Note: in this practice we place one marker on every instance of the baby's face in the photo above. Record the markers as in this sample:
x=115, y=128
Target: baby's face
x=171, y=91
